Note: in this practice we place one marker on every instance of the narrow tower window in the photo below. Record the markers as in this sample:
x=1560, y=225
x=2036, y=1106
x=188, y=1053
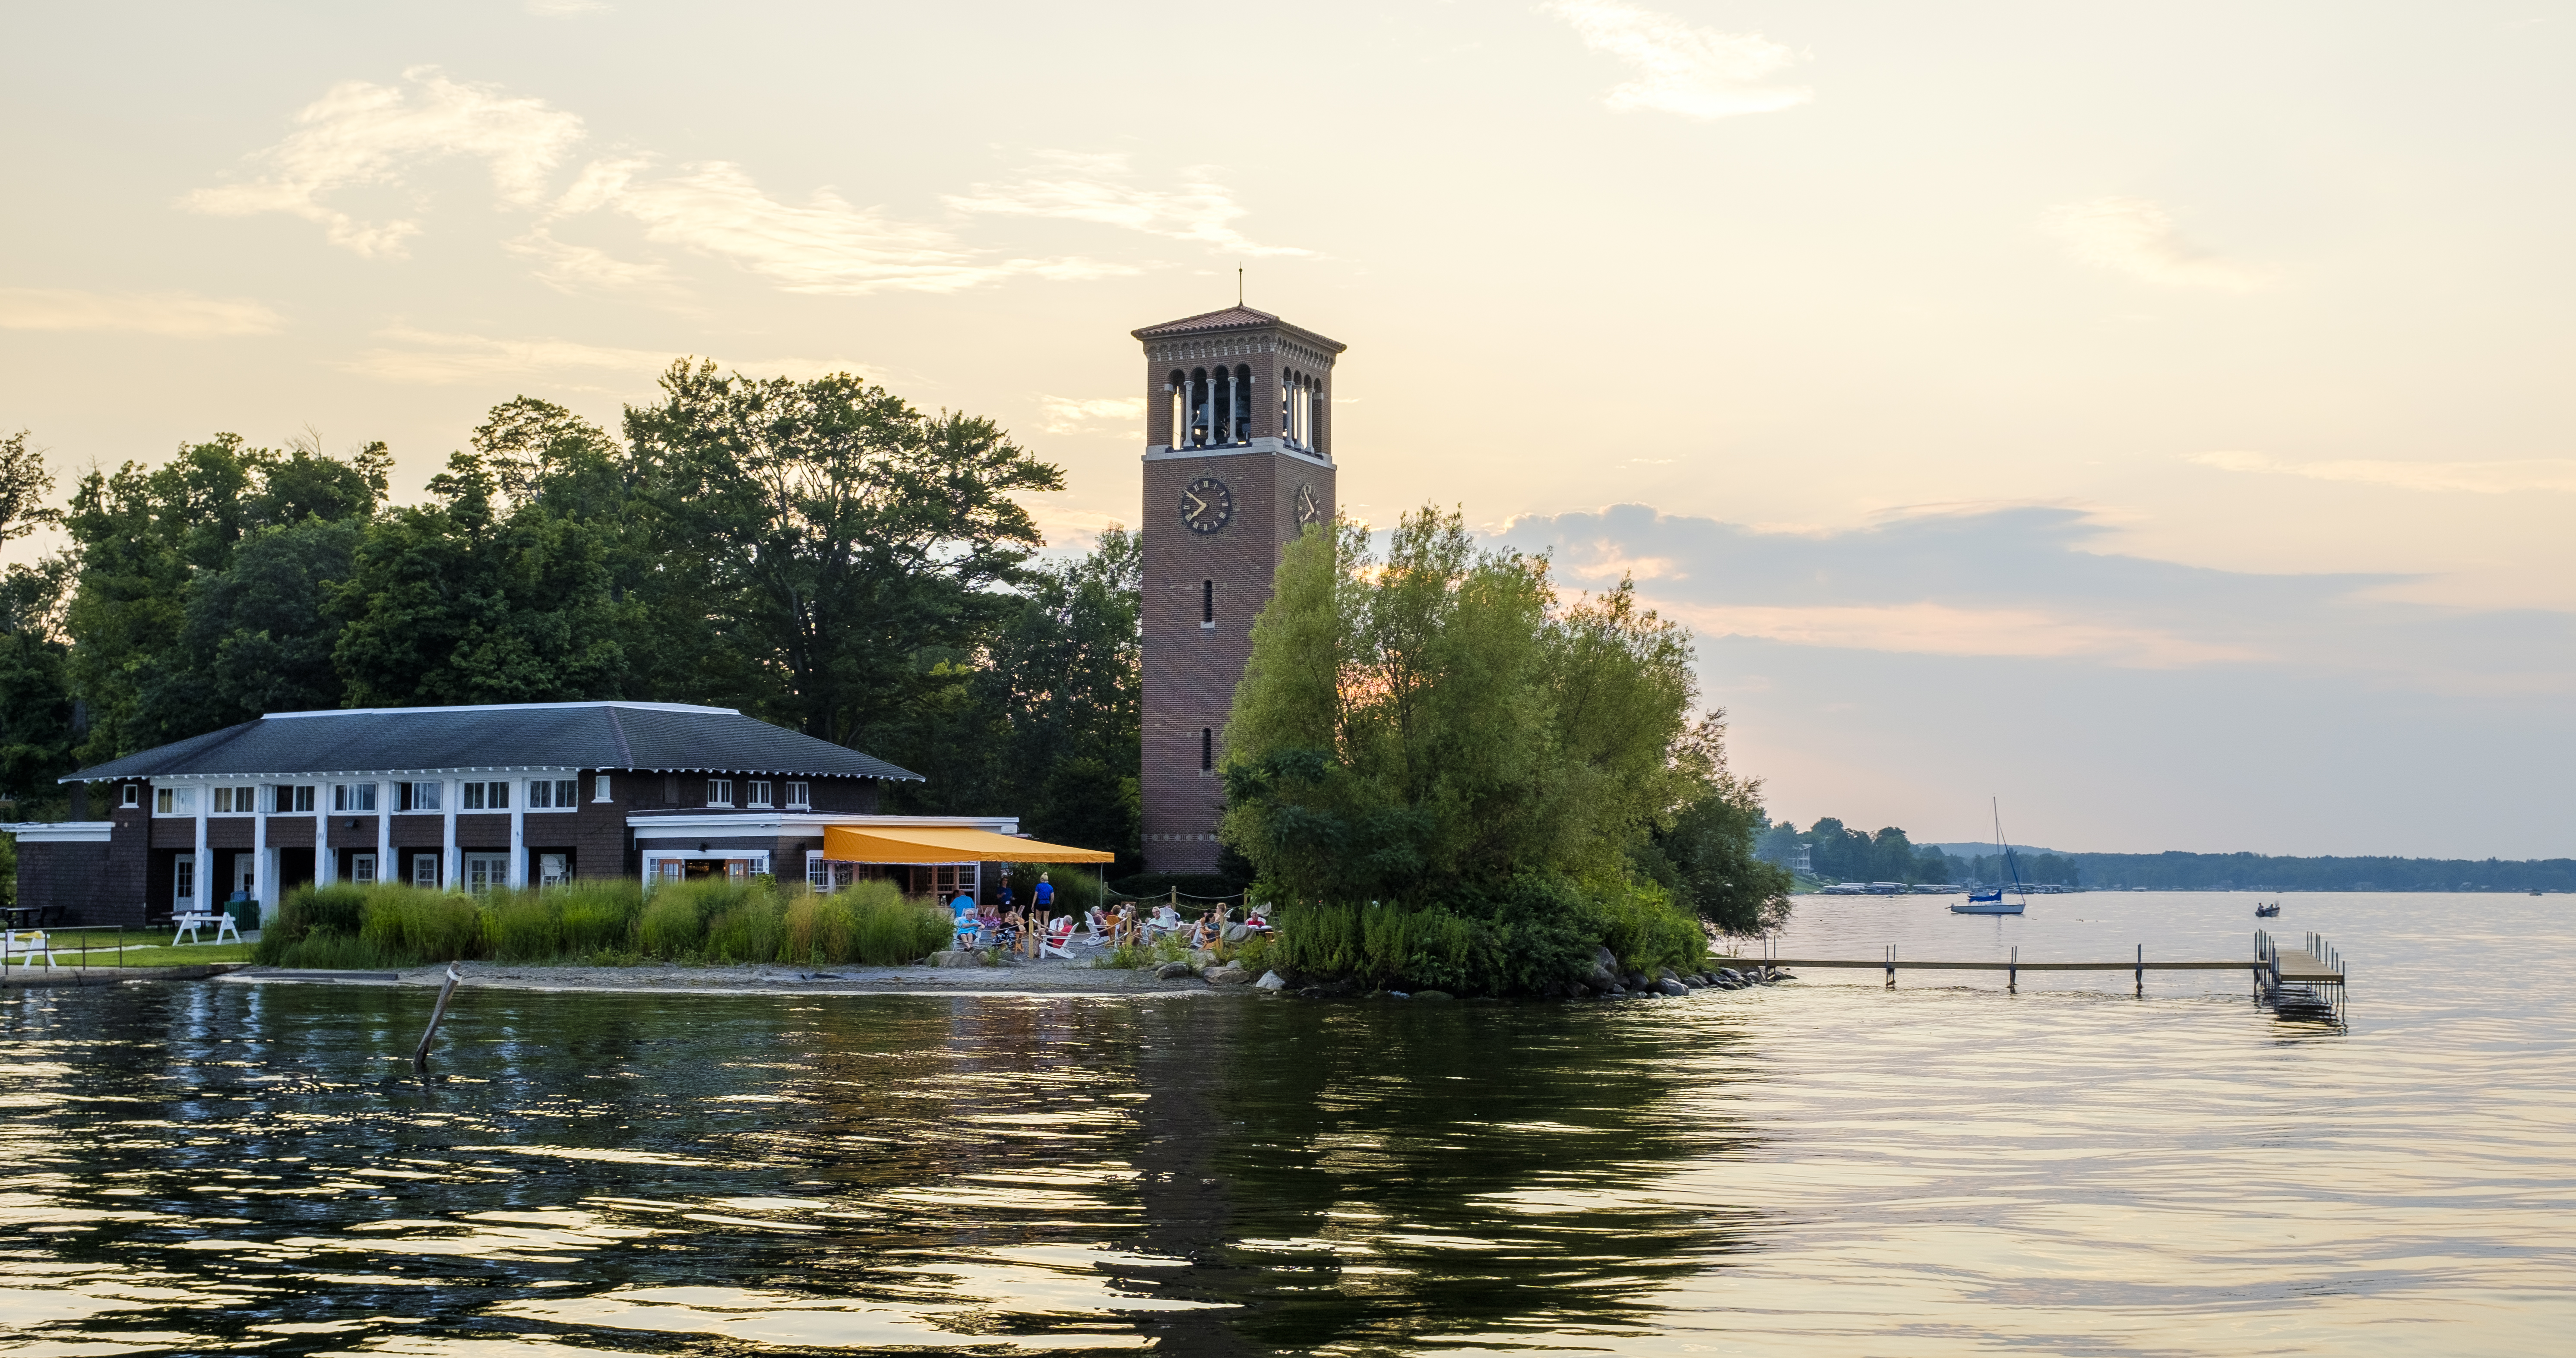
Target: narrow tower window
x=1207, y=749
x=1207, y=603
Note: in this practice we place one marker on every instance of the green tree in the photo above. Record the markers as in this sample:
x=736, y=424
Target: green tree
x=1707, y=854
x=833, y=534
x=1442, y=724
x=35, y=695
x=462, y=602
x=147, y=538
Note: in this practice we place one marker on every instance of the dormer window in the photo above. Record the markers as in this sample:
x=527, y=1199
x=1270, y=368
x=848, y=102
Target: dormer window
x=800, y=796
x=756, y=792
x=719, y=792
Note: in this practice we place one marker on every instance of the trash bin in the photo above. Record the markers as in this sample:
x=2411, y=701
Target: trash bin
x=244, y=909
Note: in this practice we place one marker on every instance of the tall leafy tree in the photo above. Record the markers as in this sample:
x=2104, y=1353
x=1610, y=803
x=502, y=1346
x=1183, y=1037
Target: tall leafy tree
x=1442, y=723
x=36, y=713
x=1705, y=853
x=834, y=533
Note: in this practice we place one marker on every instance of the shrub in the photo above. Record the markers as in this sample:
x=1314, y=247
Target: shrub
x=421, y=925
x=669, y=927
x=308, y=911
x=889, y=930
x=817, y=929
x=522, y=926
x=1647, y=930
x=597, y=916
x=749, y=930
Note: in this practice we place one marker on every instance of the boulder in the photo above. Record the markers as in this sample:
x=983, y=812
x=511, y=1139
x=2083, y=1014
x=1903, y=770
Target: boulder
x=1270, y=980
x=1433, y=995
x=1605, y=969
x=957, y=957
x=1236, y=933
x=1672, y=987
x=1730, y=974
x=1229, y=974
x=1202, y=958
x=1635, y=980
x=1173, y=971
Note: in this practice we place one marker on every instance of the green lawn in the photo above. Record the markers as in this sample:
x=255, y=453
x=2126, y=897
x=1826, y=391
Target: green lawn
x=143, y=948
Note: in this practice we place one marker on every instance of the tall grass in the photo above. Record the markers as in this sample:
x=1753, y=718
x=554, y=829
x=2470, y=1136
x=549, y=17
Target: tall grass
x=1383, y=945
x=717, y=920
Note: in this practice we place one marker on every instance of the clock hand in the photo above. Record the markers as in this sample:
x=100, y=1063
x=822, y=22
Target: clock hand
x=1194, y=500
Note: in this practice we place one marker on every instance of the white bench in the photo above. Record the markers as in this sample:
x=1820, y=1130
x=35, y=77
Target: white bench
x=189, y=922
x=26, y=943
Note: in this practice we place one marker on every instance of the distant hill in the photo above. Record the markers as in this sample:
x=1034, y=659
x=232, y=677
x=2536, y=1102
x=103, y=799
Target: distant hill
x=2177, y=871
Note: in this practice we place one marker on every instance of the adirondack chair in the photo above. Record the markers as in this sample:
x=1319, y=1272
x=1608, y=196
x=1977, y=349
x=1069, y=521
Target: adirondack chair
x=1058, y=939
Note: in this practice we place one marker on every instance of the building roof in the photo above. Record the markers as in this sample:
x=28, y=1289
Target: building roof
x=655, y=737
x=1231, y=318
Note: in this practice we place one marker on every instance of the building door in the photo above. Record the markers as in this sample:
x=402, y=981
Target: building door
x=424, y=870
x=246, y=874
x=484, y=871
x=183, y=882
x=362, y=869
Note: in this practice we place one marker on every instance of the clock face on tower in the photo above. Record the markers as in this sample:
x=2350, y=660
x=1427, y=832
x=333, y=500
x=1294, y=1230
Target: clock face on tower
x=1309, y=508
x=1206, y=505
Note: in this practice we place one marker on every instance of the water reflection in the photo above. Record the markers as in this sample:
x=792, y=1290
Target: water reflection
x=256, y=1166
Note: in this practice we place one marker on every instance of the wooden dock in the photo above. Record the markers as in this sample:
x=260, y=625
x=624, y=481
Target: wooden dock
x=2302, y=980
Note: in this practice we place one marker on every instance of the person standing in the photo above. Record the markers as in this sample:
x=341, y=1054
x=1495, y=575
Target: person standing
x=1045, y=898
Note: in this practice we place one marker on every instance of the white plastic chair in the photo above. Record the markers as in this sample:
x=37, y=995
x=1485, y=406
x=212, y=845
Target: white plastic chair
x=28, y=943
x=1058, y=939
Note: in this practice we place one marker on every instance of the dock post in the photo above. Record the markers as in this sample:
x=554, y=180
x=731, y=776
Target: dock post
x=2012, y=974
x=2142, y=971
x=1891, y=966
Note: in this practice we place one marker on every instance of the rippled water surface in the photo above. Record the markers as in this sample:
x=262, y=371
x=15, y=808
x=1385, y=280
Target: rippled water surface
x=1823, y=1167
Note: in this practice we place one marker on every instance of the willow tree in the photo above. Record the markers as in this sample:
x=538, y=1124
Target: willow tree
x=1442, y=724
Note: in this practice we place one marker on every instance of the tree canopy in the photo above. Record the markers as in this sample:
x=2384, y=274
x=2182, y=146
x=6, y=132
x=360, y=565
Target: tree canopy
x=1444, y=726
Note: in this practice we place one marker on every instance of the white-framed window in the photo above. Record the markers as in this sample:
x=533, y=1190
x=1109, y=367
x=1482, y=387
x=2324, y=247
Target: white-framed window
x=482, y=796
x=353, y=797
x=469, y=797
x=134, y=796
x=422, y=796
x=719, y=792
x=541, y=794
x=756, y=792
x=485, y=871
x=362, y=869
x=567, y=792
x=224, y=801
x=174, y=801
x=424, y=869
x=287, y=797
x=800, y=796
x=553, y=794
x=818, y=869
x=496, y=796
x=599, y=788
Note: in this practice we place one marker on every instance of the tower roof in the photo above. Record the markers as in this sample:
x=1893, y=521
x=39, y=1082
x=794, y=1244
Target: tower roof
x=1231, y=318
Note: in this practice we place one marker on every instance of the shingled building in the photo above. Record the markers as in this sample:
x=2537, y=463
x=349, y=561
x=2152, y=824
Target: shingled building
x=524, y=794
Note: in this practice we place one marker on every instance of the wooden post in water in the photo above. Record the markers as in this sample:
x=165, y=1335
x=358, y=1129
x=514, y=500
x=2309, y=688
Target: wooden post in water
x=420, y=1058
x=2142, y=971
x=2012, y=976
x=1891, y=966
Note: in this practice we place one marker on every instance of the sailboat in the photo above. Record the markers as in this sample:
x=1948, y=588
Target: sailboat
x=1990, y=900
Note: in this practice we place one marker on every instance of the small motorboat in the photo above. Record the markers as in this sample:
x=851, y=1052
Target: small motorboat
x=2262, y=911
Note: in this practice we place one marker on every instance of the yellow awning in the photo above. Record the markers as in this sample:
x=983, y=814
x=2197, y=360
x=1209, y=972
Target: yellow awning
x=944, y=844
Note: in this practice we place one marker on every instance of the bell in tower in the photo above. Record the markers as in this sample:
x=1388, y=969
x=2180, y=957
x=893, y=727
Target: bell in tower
x=1238, y=460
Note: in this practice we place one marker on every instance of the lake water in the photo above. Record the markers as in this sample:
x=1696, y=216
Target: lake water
x=1824, y=1167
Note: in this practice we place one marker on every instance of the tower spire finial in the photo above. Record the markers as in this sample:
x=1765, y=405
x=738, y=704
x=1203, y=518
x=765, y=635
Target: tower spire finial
x=1238, y=285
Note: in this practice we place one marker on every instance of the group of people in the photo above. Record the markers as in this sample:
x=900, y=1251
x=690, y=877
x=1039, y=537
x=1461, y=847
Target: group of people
x=1002, y=923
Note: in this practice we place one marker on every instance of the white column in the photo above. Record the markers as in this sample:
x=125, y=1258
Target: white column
x=326, y=864
x=384, y=830
x=205, y=883
x=452, y=875
x=265, y=889
x=518, y=833
x=1233, y=406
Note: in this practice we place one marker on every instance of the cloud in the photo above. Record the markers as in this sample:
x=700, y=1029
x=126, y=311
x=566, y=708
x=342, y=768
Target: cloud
x=1682, y=68
x=435, y=358
x=2477, y=478
x=182, y=314
x=363, y=134
x=1928, y=628
x=1092, y=188
x=1066, y=415
x=821, y=246
x=2138, y=238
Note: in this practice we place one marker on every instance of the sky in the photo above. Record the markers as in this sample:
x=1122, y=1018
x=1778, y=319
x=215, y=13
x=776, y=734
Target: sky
x=2157, y=418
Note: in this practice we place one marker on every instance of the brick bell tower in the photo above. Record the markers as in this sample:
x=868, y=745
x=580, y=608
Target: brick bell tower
x=1238, y=460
